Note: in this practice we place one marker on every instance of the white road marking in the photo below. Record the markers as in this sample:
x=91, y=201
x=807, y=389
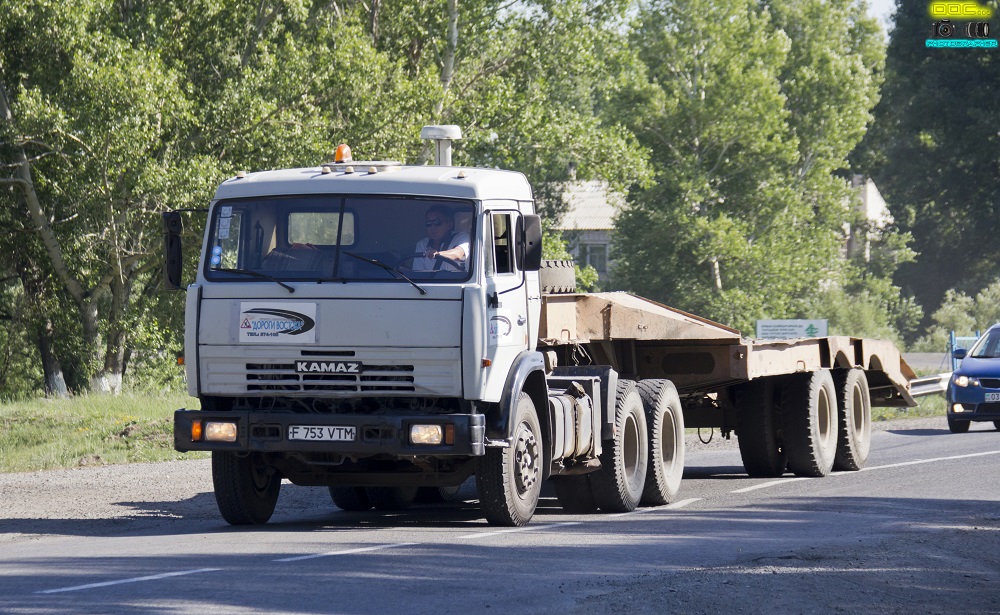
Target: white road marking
x=152, y=577
x=770, y=484
x=868, y=469
x=920, y=461
x=345, y=552
x=527, y=528
x=673, y=506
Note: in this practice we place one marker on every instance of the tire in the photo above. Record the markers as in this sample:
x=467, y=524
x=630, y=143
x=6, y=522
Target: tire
x=390, y=499
x=246, y=488
x=809, y=423
x=958, y=426
x=509, y=480
x=665, y=422
x=350, y=499
x=996, y=425
x=557, y=277
x=854, y=423
x=574, y=495
x=757, y=429
x=618, y=485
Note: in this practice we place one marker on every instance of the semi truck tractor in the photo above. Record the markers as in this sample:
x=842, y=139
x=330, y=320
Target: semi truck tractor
x=378, y=329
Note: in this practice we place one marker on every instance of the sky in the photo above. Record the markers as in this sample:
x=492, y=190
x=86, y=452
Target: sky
x=882, y=9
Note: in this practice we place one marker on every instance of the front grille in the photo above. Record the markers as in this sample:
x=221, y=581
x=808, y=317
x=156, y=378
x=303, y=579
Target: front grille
x=990, y=408
x=283, y=377
x=990, y=383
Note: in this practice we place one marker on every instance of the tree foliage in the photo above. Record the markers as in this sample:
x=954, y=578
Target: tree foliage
x=750, y=113
x=934, y=151
x=116, y=112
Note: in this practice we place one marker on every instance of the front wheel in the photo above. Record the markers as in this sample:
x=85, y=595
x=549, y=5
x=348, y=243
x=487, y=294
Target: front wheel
x=509, y=480
x=246, y=488
x=957, y=426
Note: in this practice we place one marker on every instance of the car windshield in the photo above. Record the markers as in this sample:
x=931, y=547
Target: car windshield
x=333, y=237
x=988, y=346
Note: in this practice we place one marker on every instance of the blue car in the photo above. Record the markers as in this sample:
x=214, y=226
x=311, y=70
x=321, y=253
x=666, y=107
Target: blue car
x=974, y=389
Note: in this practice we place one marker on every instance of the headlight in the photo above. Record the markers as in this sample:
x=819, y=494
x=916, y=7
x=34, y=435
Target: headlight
x=965, y=381
x=220, y=432
x=426, y=434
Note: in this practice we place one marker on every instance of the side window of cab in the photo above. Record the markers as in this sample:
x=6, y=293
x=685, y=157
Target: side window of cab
x=503, y=245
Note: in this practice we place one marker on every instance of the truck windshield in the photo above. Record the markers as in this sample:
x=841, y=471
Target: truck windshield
x=332, y=237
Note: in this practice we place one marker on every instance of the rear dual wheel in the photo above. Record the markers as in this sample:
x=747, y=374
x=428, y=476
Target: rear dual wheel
x=809, y=418
x=665, y=421
x=618, y=485
x=757, y=423
x=854, y=420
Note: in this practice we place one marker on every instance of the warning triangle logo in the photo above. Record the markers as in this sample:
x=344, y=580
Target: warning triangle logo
x=246, y=324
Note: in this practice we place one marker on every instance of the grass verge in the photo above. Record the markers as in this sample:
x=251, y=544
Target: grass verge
x=928, y=405
x=44, y=434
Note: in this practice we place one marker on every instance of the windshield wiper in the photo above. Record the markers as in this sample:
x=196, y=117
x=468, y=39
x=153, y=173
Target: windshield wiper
x=388, y=268
x=256, y=274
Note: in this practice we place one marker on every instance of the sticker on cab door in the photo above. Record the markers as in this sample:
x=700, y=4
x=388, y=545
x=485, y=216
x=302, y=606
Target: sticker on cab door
x=277, y=323
x=500, y=329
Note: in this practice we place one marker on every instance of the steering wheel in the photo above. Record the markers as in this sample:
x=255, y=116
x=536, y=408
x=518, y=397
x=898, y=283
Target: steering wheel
x=444, y=259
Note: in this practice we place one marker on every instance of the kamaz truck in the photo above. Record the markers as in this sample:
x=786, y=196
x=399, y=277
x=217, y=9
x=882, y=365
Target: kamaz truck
x=377, y=329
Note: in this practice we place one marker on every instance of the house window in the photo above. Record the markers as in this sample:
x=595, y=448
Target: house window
x=595, y=255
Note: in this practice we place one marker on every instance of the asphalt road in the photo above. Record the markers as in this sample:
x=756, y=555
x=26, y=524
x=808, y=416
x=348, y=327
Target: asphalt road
x=917, y=532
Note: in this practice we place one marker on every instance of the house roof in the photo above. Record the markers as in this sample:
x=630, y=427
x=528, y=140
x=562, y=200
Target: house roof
x=592, y=207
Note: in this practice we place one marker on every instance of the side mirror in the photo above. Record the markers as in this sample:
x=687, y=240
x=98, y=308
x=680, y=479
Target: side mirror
x=959, y=353
x=530, y=254
x=172, y=250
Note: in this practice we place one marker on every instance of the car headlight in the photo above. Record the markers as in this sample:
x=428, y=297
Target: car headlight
x=965, y=381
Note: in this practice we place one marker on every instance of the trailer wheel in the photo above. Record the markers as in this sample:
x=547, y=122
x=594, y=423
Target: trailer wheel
x=855, y=420
x=509, y=480
x=246, y=488
x=618, y=485
x=390, y=499
x=809, y=423
x=957, y=426
x=351, y=499
x=757, y=429
x=574, y=494
x=665, y=422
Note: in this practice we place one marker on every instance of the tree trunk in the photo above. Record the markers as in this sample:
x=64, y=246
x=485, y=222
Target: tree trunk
x=447, y=73
x=55, y=382
x=716, y=273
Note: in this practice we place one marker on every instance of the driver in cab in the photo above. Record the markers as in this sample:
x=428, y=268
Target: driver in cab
x=441, y=242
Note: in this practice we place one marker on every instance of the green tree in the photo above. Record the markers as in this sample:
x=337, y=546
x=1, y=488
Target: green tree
x=934, y=151
x=114, y=113
x=751, y=110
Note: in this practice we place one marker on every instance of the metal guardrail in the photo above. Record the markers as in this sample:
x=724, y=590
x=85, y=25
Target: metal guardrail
x=930, y=385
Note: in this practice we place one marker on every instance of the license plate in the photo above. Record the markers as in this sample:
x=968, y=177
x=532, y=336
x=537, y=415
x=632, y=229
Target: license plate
x=326, y=433
x=993, y=397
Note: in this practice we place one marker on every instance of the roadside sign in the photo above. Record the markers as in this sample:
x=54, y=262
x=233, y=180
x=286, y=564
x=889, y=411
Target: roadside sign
x=791, y=329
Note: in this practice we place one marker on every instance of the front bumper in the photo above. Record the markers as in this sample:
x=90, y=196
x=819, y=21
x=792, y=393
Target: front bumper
x=373, y=434
x=974, y=404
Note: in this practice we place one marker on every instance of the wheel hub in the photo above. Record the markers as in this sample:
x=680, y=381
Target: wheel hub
x=526, y=461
